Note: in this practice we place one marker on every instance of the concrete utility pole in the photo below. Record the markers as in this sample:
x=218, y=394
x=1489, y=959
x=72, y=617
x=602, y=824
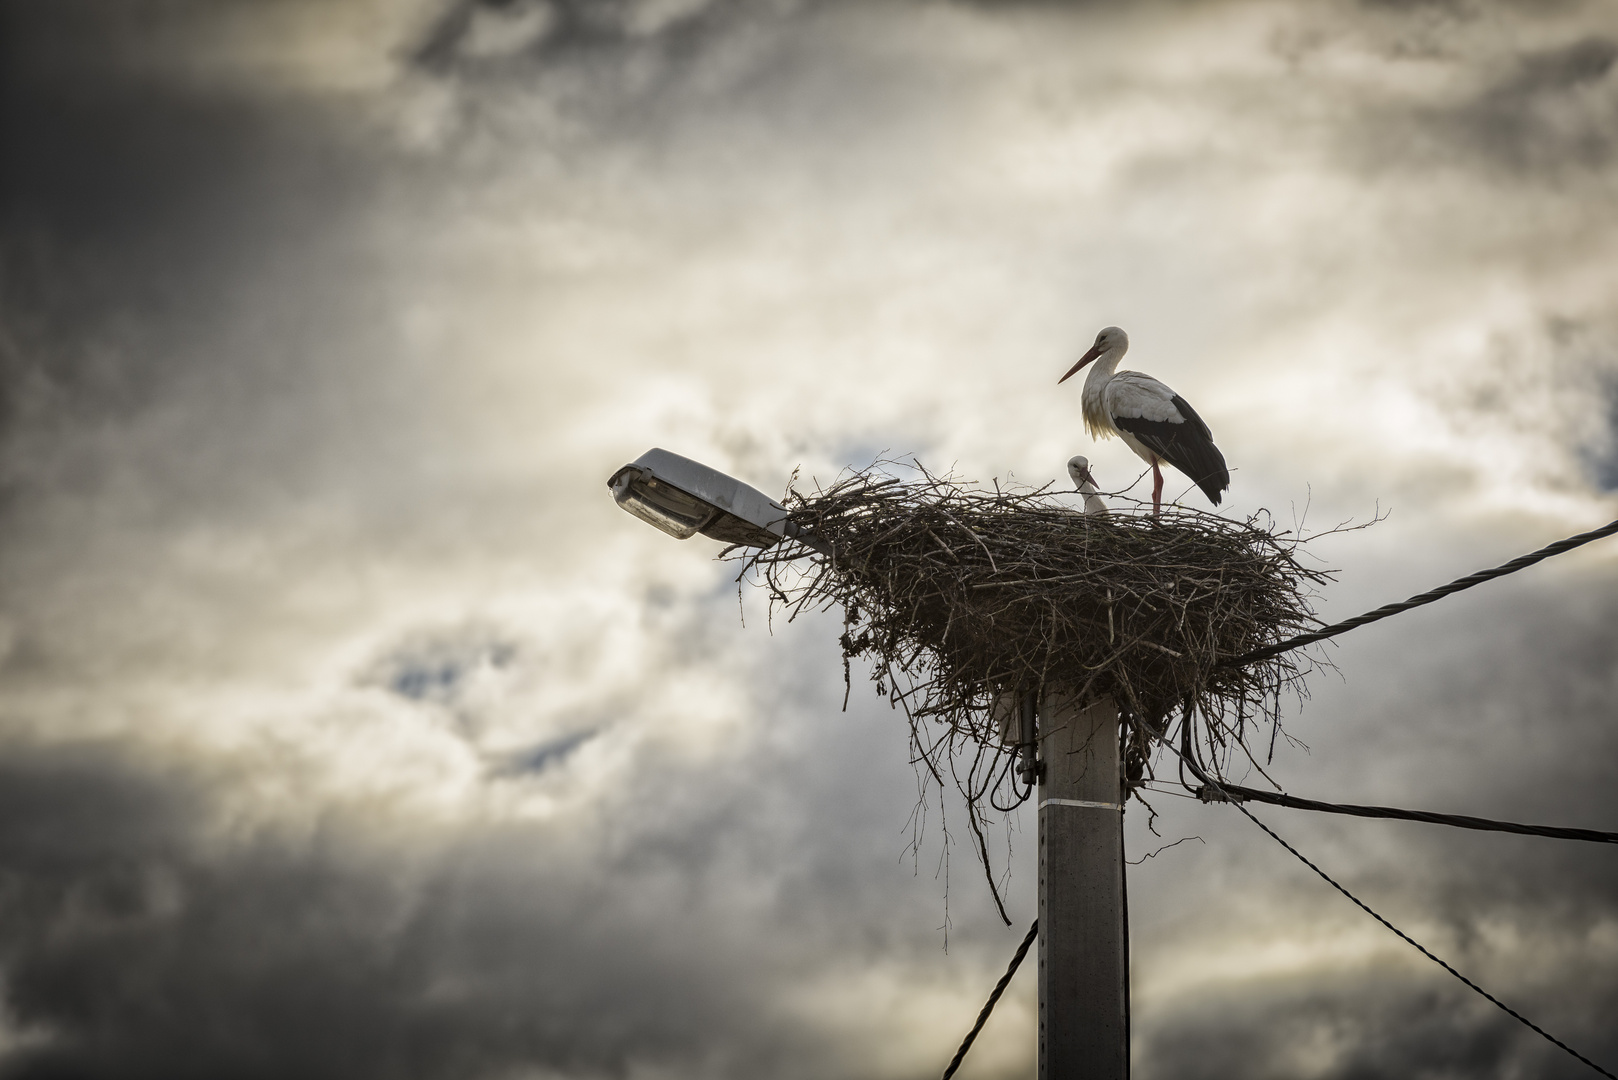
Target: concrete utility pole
x=1083, y=1033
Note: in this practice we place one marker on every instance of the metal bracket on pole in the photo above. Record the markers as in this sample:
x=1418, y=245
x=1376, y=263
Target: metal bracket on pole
x=1029, y=767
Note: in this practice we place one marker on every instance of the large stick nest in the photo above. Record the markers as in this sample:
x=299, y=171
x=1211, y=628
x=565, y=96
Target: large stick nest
x=960, y=595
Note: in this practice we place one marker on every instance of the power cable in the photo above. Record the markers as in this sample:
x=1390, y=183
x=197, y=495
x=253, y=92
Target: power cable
x=1224, y=792
x=1519, y=563
x=994, y=998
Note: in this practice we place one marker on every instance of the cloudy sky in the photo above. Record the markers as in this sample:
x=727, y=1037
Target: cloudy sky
x=348, y=729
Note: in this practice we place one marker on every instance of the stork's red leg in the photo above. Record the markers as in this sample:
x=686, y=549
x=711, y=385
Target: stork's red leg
x=1157, y=489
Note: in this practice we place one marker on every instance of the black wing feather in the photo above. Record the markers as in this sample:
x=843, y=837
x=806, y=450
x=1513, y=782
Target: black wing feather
x=1188, y=446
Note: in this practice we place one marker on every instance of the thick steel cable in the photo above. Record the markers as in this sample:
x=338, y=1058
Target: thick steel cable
x=1507, y=1009
x=1519, y=563
x=1459, y=821
x=994, y=998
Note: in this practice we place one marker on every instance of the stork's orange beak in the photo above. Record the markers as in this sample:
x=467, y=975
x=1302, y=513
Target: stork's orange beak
x=1095, y=351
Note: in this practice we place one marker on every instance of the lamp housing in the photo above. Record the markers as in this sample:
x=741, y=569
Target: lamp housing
x=684, y=497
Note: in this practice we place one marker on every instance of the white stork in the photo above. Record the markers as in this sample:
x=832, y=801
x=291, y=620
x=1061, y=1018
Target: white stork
x=1078, y=467
x=1154, y=421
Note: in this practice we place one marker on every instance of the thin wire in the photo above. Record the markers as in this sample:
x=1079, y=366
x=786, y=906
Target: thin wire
x=1165, y=790
x=1459, y=821
x=1507, y=1009
x=1206, y=779
x=1519, y=563
x=999, y=988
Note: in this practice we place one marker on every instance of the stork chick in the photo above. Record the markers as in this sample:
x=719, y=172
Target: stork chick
x=1078, y=467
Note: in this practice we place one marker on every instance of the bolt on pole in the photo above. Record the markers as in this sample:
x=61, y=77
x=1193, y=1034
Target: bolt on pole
x=1083, y=984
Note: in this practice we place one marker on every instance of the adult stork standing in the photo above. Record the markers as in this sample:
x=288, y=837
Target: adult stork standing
x=1154, y=421
x=1078, y=467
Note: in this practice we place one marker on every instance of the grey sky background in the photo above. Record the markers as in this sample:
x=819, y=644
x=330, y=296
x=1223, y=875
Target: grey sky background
x=349, y=730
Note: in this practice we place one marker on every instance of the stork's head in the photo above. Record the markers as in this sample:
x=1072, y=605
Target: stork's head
x=1078, y=467
x=1112, y=339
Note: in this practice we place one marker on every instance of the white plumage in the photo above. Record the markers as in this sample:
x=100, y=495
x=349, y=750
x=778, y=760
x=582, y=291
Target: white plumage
x=1078, y=467
x=1155, y=422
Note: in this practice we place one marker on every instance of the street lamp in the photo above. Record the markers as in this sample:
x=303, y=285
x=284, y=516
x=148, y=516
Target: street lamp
x=684, y=497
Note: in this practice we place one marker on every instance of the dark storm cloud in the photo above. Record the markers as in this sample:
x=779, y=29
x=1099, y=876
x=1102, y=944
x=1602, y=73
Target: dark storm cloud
x=141, y=940
x=603, y=60
x=1520, y=109
x=1361, y=1027
x=146, y=171
x=132, y=950
x=1554, y=381
x=1363, y=1024
x=132, y=205
x=186, y=250
x=493, y=34
x=614, y=69
x=1585, y=357
x=1549, y=109
x=136, y=943
x=1602, y=458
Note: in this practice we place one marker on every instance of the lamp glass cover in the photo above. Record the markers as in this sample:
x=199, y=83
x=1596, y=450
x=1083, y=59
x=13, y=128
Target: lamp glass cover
x=656, y=503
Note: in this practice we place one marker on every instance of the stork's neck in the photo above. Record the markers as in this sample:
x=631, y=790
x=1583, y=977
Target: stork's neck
x=1102, y=369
